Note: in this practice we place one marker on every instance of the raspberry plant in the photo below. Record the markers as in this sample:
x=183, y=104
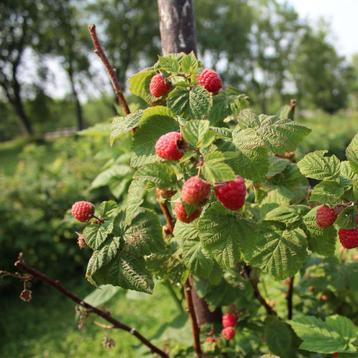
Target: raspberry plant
x=235, y=204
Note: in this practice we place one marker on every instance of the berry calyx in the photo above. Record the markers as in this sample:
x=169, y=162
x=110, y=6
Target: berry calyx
x=82, y=210
x=325, y=216
x=228, y=333
x=168, y=146
x=210, y=80
x=182, y=215
x=195, y=191
x=159, y=86
x=348, y=238
x=232, y=193
x=229, y=320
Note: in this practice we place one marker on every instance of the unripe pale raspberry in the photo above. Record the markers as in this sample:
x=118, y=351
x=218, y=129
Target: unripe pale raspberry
x=181, y=214
x=325, y=216
x=159, y=86
x=195, y=191
x=228, y=333
x=232, y=193
x=210, y=80
x=229, y=320
x=168, y=146
x=82, y=210
x=81, y=241
x=348, y=238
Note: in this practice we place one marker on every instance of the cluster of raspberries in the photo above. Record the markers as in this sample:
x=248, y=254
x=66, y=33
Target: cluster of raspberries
x=195, y=190
x=160, y=86
x=228, y=332
x=326, y=216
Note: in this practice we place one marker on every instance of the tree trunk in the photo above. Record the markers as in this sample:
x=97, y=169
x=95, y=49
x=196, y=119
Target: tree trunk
x=78, y=107
x=178, y=34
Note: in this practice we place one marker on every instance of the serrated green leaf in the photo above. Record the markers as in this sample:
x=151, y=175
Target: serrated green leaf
x=280, y=253
x=215, y=169
x=352, y=153
x=96, y=234
x=276, y=165
x=147, y=135
x=287, y=215
x=281, y=135
x=135, y=199
x=169, y=63
x=321, y=241
x=327, y=192
x=195, y=258
x=117, y=171
x=189, y=63
x=346, y=218
x=161, y=174
x=190, y=103
x=252, y=160
x=316, y=165
x=336, y=334
x=247, y=118
x=347, y=171
x=123, y=125
x=139, y=84
x=196, y=132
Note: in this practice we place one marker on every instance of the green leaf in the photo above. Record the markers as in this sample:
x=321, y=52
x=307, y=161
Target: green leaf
x=193, y=103
x=327, y=192
x=117, y=171
x=321, y=241
x=101, y=295
x=221, y=235
x=169, y=63
x=196, y=132
x=316, y=165
x=280, y=253
x=96, y=234
x=287, y=215
x=156, y=124
x=336, y=334
x=135, y=199
x=281, y=135
x=352, y=153
x=346, y=218
x=195, y=258
x=161, y=174
x=247, y=118
x=144, y=235
x=123, y=125
x=189, y=63
x=139, y=84
x=276, y=165
x=252, y=160
x=347, y=172
x=215, y=169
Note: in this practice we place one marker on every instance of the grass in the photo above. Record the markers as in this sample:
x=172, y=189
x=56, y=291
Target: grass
x=46, y=327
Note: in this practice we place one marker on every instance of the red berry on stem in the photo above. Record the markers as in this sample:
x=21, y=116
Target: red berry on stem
x=228, y=333
x=168, y=146
x=348, y=238
x=182, y=215
x=195, y=191
x=210, y=340
x=325, y=216
x=231, y=193
x=82, y=210
x=229, y=320
x=159, y=86
x=210, y=80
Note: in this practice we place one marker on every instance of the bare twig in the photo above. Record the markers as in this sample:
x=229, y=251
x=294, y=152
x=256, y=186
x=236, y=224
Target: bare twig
x=289, y=296
x=22, y=265
x=194, y=322
x=257, y=293
x=169, y=227
x=292, y=105
x=109, y=69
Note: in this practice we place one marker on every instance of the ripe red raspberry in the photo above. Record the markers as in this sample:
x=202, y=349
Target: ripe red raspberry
x=82, y=210
x=231, y=193
x=210, y=340
x=168, y=146
x=325, y=216
x=195, y=191
x=228, y=333
x=210, y=80
x=229, y=320
x=181, y=214
x=159, y=86
x=348, y=238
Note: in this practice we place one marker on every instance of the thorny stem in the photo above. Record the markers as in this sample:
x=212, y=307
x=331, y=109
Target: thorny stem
x=289, y=297
x=22, y=265
x=109, y=69
x=194, y=322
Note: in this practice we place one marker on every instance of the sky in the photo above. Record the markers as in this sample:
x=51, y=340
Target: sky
x=342, y=16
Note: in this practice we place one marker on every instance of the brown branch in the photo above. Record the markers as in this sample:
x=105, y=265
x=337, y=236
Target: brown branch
x=194, y=322
x=169, y=227
x=109, y=69
x=22, y=265
x=292, y=105
x=257, y=293
x=289, y=297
